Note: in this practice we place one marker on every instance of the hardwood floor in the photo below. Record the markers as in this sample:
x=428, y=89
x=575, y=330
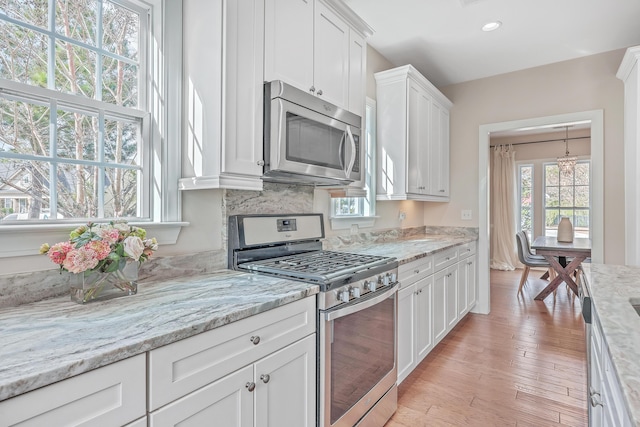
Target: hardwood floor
x=522, y=365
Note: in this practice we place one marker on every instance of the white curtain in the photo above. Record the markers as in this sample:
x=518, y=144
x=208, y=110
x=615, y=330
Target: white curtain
x=503, y=235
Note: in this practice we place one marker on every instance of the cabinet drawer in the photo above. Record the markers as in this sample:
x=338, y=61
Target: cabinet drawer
x=184, y=366
x=108, y=396
x=445, y=258
x=466, y=250
x=412, y=272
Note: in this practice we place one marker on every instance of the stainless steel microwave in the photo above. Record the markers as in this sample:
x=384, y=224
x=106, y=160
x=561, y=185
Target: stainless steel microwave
x=308, y=140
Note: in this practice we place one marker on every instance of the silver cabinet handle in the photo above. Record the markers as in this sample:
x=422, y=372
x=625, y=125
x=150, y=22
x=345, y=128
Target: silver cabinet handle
x=593, y=392
x=320, y=92
x=250, y=386
x=260, y=162
x=595, y=401
x=265, y=378
x=255, y=339
x=469, y=263
x=312, y=89
x=416, y=271
x=442, y=191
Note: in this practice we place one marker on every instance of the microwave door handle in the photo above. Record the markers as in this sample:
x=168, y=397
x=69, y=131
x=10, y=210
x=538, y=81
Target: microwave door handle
x=340, y=148
x=352, y=161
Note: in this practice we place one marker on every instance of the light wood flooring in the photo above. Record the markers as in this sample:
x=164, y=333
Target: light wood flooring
x=522, y=365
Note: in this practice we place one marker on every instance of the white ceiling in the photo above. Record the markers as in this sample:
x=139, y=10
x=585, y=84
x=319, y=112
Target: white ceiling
x=443, y=38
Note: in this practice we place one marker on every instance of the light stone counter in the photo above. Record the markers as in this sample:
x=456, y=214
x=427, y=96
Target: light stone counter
x=50, y=340
x=611, y=287
x=54, y=339
x=405, y=249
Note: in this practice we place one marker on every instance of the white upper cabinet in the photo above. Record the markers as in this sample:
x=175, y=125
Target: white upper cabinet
x=288, y=41
x=317, y=46
x=223, y=54
x=413, y=137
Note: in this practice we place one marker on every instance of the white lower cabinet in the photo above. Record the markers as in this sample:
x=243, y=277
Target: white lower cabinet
x=113, y=395
x=415, y=332
x=278, y=390
x=259, y=371
x=607, y=406
x=436, y=292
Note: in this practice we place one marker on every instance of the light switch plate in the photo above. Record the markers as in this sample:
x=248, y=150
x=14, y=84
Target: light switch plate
x=466, y=214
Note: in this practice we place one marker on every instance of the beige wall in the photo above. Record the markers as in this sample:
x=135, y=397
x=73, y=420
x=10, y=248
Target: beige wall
x=572, y=86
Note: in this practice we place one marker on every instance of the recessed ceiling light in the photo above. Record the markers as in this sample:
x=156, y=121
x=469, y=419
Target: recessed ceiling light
x=491, y=26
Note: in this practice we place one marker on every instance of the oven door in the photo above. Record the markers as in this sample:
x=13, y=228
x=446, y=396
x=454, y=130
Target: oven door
x=307, y=143
x=358, y=359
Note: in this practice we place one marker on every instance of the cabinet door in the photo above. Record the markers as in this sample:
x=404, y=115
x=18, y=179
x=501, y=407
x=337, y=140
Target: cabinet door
x=227, y=399
x=472, y=281
x=462, y=288
x=286, y=386
x=451, y=286
x=243, y=88
x=357, y=73
x=439, y=304
x=288, y=42
x=424, y=332
x=112, y=395
x=418, y=144
x=331, y=57
x=438, y=160
x=406, y=331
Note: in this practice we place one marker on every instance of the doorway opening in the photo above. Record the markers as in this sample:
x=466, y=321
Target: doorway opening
x=595, y=118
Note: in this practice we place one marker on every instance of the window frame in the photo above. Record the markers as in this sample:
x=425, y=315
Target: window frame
x=163, y=202
x=366, y=216
x=560, y=208
x=520, y=166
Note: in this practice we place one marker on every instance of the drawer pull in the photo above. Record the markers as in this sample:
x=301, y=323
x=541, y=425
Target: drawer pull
x=469, y=263
x=250, y=386
x=255, y=340
x=595, y=401
x=265, y=378
x=416, y=271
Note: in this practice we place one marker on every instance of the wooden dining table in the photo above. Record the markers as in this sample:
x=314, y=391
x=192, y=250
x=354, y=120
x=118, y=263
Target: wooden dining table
x=556, y=253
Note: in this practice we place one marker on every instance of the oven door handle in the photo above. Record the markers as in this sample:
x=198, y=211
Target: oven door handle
x=360, y=305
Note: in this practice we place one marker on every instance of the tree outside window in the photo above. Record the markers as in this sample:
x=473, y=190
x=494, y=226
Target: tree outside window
x=525, y=193
x=72, y=109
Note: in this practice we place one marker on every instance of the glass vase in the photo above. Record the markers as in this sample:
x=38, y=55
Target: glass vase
x=98, y=286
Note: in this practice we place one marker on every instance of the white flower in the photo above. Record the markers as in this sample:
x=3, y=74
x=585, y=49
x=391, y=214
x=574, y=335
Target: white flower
x=122, y=227
x=133, y=247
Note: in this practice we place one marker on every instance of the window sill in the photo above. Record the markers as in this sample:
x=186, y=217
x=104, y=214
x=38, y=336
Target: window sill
x=345, y=222
x=23, y=240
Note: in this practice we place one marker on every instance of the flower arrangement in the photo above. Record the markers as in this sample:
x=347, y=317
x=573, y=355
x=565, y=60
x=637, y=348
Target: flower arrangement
x=102, y=248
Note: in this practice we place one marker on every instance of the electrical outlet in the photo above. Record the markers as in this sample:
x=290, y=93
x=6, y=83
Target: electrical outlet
x=466, y=214
x=354, y=229
x=402, y=216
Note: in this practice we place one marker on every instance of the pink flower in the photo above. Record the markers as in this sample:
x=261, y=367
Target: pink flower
x=109, y=235
x=81, y=259
x=58, y=252
x=100, y=247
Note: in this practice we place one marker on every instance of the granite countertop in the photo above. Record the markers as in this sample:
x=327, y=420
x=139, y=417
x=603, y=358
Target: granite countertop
x=54, y=339
x=410, y=248
x=611, y=288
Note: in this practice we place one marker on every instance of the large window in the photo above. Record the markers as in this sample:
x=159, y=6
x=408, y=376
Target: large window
x=567, y=195
x=74, y=107
x=526, y=197
x=354, y=207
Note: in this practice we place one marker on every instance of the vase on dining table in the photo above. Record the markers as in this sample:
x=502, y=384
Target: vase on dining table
x=565, y=230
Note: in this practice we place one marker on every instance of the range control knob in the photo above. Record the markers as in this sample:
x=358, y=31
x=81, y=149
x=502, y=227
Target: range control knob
x=394, y=277
x=386, y=279
x=344, y=295
x=355, y=292
x=370, y=286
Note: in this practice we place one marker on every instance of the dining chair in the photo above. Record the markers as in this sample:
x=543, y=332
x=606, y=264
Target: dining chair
x=529, y=259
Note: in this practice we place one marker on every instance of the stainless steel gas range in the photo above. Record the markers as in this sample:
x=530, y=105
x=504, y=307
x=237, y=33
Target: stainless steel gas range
x=357, y=311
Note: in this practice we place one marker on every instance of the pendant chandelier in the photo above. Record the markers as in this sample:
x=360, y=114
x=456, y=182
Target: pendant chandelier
x=567, y=163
